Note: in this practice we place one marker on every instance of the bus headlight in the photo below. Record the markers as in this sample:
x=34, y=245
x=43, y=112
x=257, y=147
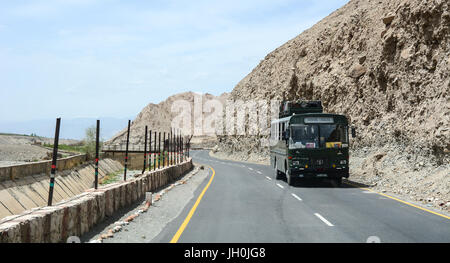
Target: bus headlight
x=343, y=162
x=295, y=162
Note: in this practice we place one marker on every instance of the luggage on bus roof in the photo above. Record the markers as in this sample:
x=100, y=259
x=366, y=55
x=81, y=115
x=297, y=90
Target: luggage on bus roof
x=288, y=108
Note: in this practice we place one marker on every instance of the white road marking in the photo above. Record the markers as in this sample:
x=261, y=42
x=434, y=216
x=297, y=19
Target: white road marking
x=369, y=192
x=251, y=169
x=296, y=197
x=279, y=185
x=269, y=178
x=323, y=219
x=259, y=172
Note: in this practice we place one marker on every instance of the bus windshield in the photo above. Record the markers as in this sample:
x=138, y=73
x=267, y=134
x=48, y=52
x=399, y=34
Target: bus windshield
x=318, y=136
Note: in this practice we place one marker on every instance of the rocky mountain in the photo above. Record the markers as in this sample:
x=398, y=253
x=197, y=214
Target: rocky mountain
x=386, y=65
x=383, y=63
x=159, y=117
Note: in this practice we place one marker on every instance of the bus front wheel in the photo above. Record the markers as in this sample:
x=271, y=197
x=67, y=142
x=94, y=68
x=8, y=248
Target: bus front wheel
x=289, y=179
x=338, y=181
x=277, y=173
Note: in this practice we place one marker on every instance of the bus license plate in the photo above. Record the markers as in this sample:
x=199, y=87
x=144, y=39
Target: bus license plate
x=322, y=175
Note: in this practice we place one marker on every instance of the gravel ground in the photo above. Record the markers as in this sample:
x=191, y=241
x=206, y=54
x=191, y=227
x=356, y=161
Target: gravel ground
x=148, y=225
x=412, y=176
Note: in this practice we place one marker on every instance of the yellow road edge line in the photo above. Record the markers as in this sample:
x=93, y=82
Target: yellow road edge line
x=191, y=212
x=399, y=200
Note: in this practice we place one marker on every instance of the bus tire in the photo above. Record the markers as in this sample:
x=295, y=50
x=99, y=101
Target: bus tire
x=289, y=179
x=338, y=181
x=277, y=173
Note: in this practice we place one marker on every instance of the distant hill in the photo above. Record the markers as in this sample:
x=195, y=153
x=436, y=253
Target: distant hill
x=158, y=117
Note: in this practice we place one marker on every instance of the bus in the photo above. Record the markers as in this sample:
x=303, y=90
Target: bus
x=307, y=143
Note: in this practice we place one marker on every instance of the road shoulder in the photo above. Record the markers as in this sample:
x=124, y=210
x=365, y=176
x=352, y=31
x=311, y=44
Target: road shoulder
x=168, y=203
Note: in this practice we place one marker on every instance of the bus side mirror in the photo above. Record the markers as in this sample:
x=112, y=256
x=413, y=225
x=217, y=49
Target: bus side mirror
x=353, y=132
x=283, y=135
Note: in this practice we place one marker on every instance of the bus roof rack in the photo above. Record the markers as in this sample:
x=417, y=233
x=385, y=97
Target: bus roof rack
x=288, y=108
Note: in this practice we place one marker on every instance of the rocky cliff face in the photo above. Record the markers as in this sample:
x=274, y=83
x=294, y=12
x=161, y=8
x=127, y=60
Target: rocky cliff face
x=386, y=65
x=158, y=117
x=383, y=63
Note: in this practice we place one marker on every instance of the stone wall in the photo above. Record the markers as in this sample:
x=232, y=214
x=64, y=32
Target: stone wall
x=80, y=213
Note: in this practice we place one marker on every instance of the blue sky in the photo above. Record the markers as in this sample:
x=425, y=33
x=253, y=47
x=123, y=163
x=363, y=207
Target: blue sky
x=92, y=58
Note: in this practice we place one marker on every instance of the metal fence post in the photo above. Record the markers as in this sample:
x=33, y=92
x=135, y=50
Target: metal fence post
x=159, y=150
x=97, y=142
x=126, y=152
x=154, y=155
x=179, y=146
x=55, y=155
x=175, y=146
x=150, y=152
x=145, y=150
x=164, y=150
x=171, y=148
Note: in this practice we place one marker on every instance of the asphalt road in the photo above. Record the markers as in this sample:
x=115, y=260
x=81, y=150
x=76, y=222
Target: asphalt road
x=244, y=203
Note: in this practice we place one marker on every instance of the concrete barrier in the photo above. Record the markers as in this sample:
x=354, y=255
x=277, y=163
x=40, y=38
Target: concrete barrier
x=79, y=214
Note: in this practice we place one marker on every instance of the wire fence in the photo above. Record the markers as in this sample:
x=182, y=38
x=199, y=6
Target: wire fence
x=158, y=151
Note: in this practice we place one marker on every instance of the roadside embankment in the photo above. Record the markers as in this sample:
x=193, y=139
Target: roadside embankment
x=80, y=213
x=24, y=187
x=393, y=169
x=16, y=172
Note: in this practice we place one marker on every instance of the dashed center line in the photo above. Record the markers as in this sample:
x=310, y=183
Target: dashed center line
x=251, y=169
x=279, y=185
x=269, y=178
x=323, y=219
x=259, y=172
x=296, y=197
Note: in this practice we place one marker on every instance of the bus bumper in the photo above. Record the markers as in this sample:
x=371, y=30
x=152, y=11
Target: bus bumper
x=325, y=173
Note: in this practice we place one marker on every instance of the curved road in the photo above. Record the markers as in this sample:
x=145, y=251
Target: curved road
x=244, y=203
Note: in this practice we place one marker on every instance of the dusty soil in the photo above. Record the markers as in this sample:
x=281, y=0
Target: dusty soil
x=16, y=154
x=414, y=177
x=16, y=149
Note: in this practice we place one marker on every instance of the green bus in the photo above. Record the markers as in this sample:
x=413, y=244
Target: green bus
x=307, y=143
